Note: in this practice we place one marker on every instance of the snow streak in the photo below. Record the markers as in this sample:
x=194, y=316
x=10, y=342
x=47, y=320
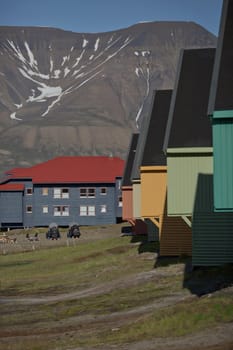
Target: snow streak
x=61, y=79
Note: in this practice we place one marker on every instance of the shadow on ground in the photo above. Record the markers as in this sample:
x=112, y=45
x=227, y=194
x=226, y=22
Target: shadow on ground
x=206, y=280
x=202, y=280
x=144, y=246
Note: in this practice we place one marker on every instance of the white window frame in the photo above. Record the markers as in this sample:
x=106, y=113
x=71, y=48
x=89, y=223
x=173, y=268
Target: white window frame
x=87, y=210
x=59, y=192
x=87, y=192
x=120, y=202
x=45, y=209
x=61, y=210
x=83, y=210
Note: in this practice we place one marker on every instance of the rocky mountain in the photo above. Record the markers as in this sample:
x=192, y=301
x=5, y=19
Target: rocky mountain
x=65, y=93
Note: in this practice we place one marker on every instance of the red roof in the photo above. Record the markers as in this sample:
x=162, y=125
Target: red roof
x=72, y=170
x=12, y=187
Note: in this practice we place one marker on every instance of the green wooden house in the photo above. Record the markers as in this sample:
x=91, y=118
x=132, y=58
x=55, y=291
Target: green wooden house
x=220, y=110
x=188, y=145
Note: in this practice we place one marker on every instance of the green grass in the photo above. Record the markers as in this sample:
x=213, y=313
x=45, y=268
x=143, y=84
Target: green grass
x=62, y=269
x=88, y=320
x=184, y=318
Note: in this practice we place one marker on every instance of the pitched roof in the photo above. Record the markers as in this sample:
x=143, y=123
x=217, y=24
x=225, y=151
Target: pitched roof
x=130, y=159
x=187, y=124
x=154, y=135
x=222, y=79
x=150, y=143
x=72, y=170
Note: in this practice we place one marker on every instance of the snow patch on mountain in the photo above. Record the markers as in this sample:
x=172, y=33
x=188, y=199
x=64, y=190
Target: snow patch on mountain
x=71, y=66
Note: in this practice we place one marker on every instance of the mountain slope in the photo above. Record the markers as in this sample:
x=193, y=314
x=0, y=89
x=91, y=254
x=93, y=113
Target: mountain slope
x=65, y=93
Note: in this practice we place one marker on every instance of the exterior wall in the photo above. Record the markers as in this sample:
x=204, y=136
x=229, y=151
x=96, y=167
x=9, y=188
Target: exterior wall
x=18, y=203
x=153, y=190
x=127, y=197
x=11, y=208
x=136, y=199
x=74, y=202
x=175, y=237
x=184, y=166
x=118, y=198
x=223, y=160
x=174, y=234
x=212, y=231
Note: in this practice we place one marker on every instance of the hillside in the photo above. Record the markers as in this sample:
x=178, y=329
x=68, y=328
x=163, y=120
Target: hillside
x=65, y=93
x=104, y=291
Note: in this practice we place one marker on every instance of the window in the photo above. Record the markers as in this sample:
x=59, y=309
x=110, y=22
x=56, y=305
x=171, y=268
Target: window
x=91, y=210
x=83, y=210
x=45, y=209
x=103, y=208
x=45, y=191
x=61, y=210
x=87, y=192
x=103, y=191
x=119, y=201
x=29, y=191
x=60, y=193
x=87, y=210
x=29, y=209
x=119, y=184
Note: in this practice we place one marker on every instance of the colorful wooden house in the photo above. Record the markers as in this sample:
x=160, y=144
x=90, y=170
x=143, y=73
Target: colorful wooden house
x=65, y=189
x=188, y=144
x=173, y=233
x=213, y=238
x=137, y=225
x=221, y=112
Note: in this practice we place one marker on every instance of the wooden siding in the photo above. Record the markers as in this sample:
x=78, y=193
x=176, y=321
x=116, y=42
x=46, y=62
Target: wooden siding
x=153, y=190
x=127, y=198
x=184, y=166
x=212, y=239
x=13, y=205
x=223, y=162
x=136, y=199
x=11, y=208
x=74, y=202
x=175, y=237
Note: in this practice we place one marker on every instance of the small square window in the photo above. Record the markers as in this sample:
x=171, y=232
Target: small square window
x=103, y=208
x=45, y=191
x=45, y=209
x=29, y=191
x=103, y=191
x=29, y=209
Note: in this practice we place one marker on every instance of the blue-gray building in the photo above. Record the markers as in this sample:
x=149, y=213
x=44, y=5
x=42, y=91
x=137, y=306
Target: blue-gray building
x=86, y=190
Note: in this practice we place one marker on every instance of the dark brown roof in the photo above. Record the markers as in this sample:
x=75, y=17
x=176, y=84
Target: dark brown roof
x=130, y=160
x=188, y=125
x=150, y=143
x=221, y=93
x=153, y=151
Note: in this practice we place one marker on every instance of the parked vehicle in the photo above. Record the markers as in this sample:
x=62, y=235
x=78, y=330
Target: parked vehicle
x=74, y=231
x=53, y=232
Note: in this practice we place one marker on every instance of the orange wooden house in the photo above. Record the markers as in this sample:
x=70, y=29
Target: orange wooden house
x=174, y=234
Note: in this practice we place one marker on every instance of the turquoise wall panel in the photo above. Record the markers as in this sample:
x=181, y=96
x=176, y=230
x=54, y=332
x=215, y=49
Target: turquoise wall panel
x=223, y=164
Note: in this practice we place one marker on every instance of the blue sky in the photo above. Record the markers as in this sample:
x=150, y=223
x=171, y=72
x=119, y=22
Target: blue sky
x=93, y=16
